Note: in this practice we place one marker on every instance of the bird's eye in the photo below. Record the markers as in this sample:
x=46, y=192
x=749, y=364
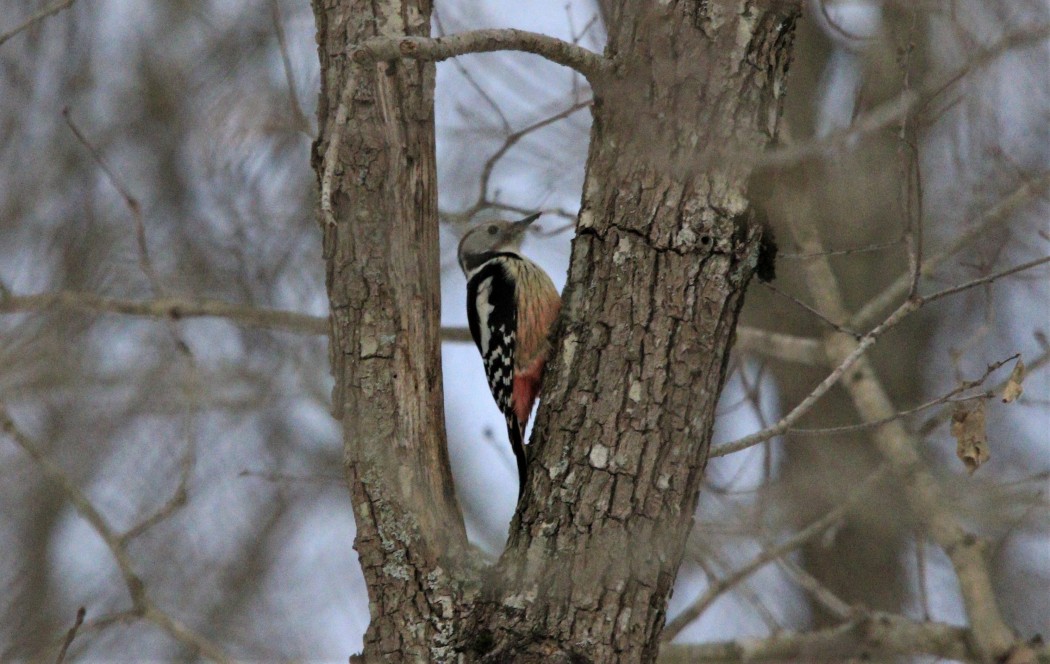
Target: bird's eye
x=493, y=230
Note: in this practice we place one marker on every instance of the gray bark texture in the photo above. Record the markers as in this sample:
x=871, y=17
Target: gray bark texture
x=383, y=282
x=665, y=246
x=664, y=249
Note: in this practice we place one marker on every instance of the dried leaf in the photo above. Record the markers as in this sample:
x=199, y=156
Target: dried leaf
x=971, y=435
x=1013, y=387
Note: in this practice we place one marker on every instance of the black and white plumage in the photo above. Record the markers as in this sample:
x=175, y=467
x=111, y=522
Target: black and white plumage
x=511, y=305
x=493, y=319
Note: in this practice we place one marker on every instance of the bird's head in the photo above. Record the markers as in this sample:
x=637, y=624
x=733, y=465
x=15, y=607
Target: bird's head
x=489, y=238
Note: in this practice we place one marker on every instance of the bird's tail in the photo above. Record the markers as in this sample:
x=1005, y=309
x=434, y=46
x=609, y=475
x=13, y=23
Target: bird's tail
x=517, y=444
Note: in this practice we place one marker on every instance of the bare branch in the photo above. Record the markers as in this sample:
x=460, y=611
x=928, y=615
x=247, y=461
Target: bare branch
x=298, y=117
x=909, y=101
x=835, y=605
x=456, y=335
x=991, y=637
x=806, y=404
x=780, y=346
x=926, y=299
x=170, y=308
x=70, y=635
x=469, y=77
x=715, y=589
x=142, y=605
x=936, y=420
x=80, y=501
x=44, y=13
x=878, y=246
x=588, y=63
x=945, y=398
x=870, y=636
x=513, y=138
x=997, y=215
x=810, y=309
x=852, y=357
x=134, y=207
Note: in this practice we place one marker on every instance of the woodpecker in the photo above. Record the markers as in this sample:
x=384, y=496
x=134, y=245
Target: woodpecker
x=511, y=305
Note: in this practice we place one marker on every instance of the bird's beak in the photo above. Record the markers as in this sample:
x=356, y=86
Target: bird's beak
x=523, y=224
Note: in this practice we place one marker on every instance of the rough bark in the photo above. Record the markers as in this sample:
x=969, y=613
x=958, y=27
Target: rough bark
x=383, y=283
x=664, y=249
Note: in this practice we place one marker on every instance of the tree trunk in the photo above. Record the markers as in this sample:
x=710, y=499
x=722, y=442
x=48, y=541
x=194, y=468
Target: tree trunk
x=383, y=283
x=665, y=247
x=664, y=250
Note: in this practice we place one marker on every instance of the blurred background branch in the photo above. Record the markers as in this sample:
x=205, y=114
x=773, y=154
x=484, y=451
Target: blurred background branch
x=203, y=447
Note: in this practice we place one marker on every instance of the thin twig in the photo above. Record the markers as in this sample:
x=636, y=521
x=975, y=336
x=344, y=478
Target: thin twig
x=810, y=309
x=70, y=635
x=716, y=588
x=285, y=477
x=44, y=13
x=80, y=502
x=991, y=637
x=910, y=101
x=143, y=606
x=996, y=215
x=931, y=424
x=879, y=246
x=920, y=572
x=862, y=346
x=301, y=123
x=513, y=138
x=743, y=590
x=483, y=201
x=945, y=398
x=827, y=598
x=469, y=77
x=170, y=308
x=806, y=404
x=145, y=261
x=926, y=299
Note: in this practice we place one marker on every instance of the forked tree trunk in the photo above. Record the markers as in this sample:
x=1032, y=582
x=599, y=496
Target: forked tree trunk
x=664, y=249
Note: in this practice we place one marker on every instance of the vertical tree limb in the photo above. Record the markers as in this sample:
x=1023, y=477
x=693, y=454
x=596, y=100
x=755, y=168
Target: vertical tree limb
x=663, y=252
x=381, y=254
x=993, y=639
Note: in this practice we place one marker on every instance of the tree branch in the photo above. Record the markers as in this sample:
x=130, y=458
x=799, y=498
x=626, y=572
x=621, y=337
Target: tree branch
x=777, y=345
x=891, y=112
x=945, y=398
x=172, y=308
x=870, y=636
x=820, y=390
x=46, y=12
x=705, y=600
x=996, y=215
x=588, y=63
x=991, y=639
x=848, y=360
x=142, y=606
